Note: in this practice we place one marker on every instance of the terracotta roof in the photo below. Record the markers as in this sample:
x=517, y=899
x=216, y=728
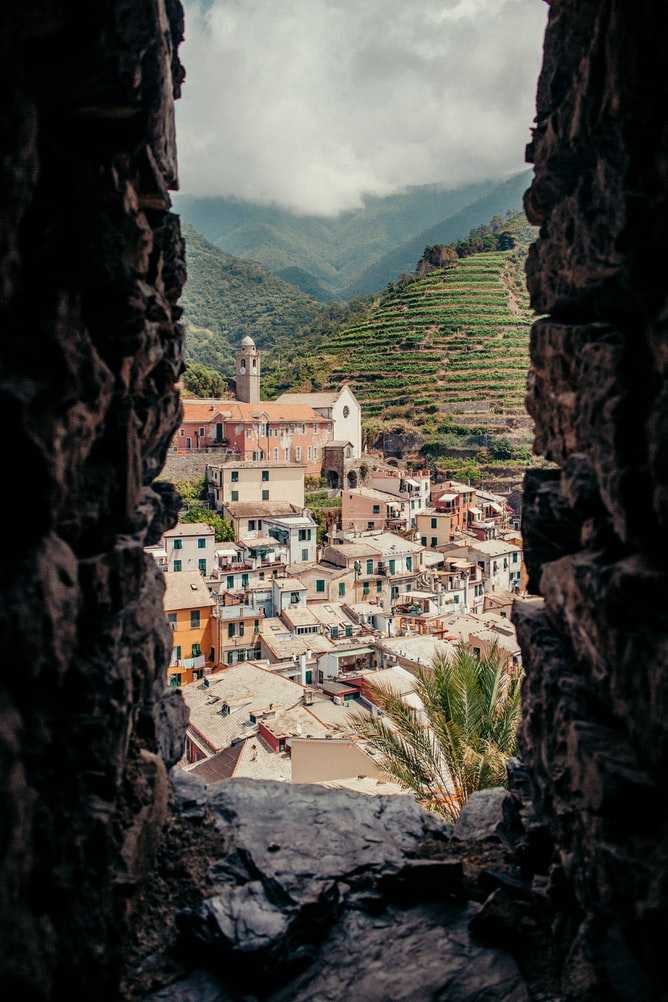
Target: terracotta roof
x=186, y=590
x=221, y=765
x=261, y=509
x=190, y=529
x=202, y=411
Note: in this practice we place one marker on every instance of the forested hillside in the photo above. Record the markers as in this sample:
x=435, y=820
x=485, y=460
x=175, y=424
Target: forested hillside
x=226, y=298
x=332, y=257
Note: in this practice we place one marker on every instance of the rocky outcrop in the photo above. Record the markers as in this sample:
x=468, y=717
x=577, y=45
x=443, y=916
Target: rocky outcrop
x=595, y=730
x=313, y=893
x=91, y=269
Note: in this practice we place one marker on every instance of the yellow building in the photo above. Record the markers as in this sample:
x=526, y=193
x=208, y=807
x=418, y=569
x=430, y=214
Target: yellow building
x=253, y=483
x=189, y=609
x=434, y=527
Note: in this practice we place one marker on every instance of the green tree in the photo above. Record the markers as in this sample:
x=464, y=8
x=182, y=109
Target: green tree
x=463, y=740
x=223, y=529
x=203, y=381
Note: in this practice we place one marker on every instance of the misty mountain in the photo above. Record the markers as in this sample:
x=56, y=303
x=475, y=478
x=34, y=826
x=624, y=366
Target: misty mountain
x=325, y=256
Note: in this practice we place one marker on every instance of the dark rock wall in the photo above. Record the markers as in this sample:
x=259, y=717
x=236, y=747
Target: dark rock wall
x=595, y=731
x=91, y=268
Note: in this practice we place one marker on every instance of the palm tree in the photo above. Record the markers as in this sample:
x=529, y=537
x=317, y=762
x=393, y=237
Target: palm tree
x=462, y=739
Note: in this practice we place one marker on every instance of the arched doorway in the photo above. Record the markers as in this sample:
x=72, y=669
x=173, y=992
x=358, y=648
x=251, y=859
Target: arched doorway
x=352, y=479
x=332, y=479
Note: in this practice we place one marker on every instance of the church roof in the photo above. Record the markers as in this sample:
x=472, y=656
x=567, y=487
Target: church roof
x=247, y=342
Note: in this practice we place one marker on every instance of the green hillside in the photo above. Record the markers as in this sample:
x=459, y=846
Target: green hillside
x=330, y=257
x=443, y=359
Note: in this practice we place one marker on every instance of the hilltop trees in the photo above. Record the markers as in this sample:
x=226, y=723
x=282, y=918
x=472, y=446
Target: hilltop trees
x=440, y=256
x=202, y=381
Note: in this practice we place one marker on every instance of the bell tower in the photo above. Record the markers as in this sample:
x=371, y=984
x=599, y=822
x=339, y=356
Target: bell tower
x=248, y=372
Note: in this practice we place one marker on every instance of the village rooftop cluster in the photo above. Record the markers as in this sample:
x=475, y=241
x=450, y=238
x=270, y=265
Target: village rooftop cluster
x=277, y=638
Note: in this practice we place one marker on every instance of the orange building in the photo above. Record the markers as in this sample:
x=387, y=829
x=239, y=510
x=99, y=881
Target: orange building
x=189, y=609
x=454, y=499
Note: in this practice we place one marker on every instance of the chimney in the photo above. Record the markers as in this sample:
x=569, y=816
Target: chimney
x=302, y=669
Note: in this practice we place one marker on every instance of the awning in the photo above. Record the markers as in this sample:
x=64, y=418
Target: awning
x=475, y=511
x=447, y=497
x=495, y=506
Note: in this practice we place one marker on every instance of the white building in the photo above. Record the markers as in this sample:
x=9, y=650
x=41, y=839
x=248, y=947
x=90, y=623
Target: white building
x=340, y=406
x=297, y=533
x=190, y=546
x=500, y=563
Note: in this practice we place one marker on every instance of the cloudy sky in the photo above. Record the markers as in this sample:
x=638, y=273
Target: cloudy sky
x=313, y=103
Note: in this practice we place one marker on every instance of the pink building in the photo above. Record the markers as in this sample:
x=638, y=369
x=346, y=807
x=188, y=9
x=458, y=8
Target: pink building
x=255, y=430
x=265, y=432
x=366, y=508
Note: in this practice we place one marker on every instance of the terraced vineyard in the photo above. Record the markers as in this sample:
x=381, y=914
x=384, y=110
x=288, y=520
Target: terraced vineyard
x=453, y=344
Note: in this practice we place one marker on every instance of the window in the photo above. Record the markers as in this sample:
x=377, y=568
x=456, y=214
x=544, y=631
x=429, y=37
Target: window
x=379, y=585
x=251, y=525
x=177, y=652
x=334, y=633
x=275, y=455
x=371, y=525
x=365, y=588
x=235, y=476
x=171, y=619
x=349, y=631
x=244, y=581
x=409, y=563
x=265, y=474
x=256, y=626
x=201, y=544
x=298, y=454
x=423, y=540
x=177, y=565
x=346, y=411
x=242, y=629
x=235, y=495
x=265, y=495
x=196, y=651
x=376, y=509
x=369, y=566
x=201, y=433
x=393, y=566
x=515, y=557
x=263, y=430
x=308, y=676
x=201, y=566
x=320, y=585
x=287, y=455
x=304, y=554
x=342, y=588
x=231, y=629
x=304, y=534
x=178, y=544
x=230, y=580
x=194, y=619
x=434, y=523
x=434, y=540
x=294, y=598
x=175, y=680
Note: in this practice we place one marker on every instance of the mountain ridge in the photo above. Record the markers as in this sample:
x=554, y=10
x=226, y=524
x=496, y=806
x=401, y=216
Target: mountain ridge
x=330, y=255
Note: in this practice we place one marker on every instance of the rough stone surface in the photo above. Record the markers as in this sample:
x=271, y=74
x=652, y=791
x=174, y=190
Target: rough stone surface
x=323, y=894
x=595, y=726
x=91, y=269
x=489, y=814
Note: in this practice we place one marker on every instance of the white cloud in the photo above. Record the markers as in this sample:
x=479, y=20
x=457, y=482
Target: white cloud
x=314, y=103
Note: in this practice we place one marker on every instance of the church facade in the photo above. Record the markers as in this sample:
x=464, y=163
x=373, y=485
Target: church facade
x=287, y=430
